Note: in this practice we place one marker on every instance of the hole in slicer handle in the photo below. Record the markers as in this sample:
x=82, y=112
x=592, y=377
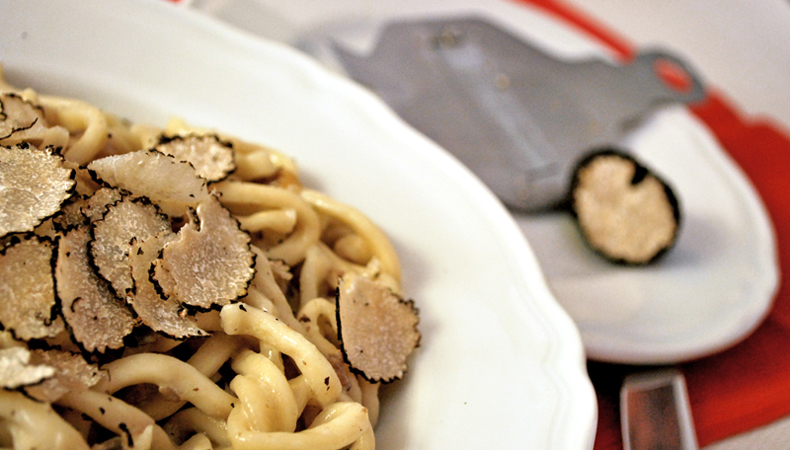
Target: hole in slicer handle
x=673, y=75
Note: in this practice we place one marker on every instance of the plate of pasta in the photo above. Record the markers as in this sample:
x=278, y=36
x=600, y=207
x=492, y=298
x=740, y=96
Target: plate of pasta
x=212, y=242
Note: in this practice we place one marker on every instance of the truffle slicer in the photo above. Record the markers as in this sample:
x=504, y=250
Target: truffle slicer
x=516, y=116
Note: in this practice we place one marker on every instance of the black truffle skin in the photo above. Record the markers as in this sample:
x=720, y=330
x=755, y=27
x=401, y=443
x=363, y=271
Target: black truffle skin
x=625, y=212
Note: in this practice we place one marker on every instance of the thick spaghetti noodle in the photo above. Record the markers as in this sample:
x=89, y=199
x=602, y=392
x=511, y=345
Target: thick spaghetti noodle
x=261, y=367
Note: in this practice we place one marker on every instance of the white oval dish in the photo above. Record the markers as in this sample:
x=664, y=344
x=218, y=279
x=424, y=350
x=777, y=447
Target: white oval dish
x=501, y=364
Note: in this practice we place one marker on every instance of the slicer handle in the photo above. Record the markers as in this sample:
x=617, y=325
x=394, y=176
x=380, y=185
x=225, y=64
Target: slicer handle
x=674, y=79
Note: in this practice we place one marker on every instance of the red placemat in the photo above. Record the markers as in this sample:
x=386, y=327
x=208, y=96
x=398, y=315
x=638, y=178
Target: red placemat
x=748, y=385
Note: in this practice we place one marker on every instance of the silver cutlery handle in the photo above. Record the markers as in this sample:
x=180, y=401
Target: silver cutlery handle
x=655, y=412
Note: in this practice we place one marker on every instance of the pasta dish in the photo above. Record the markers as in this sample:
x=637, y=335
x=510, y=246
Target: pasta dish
x=179, y=288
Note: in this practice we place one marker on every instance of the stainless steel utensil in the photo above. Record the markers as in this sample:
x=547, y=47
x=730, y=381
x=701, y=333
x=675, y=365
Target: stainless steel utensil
x=518, y=117
x=655, y=412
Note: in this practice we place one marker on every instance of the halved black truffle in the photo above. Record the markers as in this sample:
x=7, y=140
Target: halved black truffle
x=377, y=329
x=625, y=212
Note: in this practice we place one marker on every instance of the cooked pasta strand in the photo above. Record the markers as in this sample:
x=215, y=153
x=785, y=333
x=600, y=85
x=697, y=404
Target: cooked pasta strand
x=306, y=232
x=83, y=119
x=193, y=420
x=318, y=372
x=361, y=224
x=338, y=426
x=167, y=372
x=117, y=416
x=275, y=400
x=34, y=424
x=207, y=360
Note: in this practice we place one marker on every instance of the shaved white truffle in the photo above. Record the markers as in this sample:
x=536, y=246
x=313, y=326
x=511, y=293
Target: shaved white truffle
x=95, y=207
x=28, y=287
x=123, y=222
x=82, y=210
x=377, y=329
x=87, y=184
x=211, y=263
x=70, y=215
x=211, y=158
x=20, y=120
x=33, y=185
x=624, y=211
x=162, y=314
x=16, y=370
x=98, y=319
x=173, y=185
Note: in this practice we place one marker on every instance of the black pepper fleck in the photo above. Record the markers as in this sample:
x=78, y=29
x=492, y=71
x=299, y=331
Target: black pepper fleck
x=125, y=429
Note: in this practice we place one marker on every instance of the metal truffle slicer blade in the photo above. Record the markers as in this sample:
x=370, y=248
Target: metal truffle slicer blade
x=516, y=116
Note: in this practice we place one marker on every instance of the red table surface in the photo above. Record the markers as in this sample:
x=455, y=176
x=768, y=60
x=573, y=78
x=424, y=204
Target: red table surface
x=748, y=385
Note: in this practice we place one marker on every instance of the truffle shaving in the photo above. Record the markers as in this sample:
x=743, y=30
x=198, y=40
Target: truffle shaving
x=171, y=184
x=86, y=184
x=98, y=320
x=113, y=235
x=211, y=158
x=70, y=215
x=20, y=120
x=377, y=329
x=72, y=374
x=97, y=205
x=33, y=185
x=211, y=263
x=16, y=370
x=28, y=290
x=624, y=211
x=164, y=315
x=86, y=209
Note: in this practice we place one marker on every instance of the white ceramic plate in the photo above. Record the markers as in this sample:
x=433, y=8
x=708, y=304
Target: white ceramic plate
x=501, y=364
x=710, y=292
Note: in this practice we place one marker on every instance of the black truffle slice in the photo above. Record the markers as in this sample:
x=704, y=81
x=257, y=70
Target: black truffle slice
x=97, y=318
x=87, y=184
x=20, y=120
x=377, y=329
x=97, y=204
x=211, y=263
x=173, y=185
x=212, y=159
x=624, y=211
x=33, y=185
x=28, y=286
x=162, y=314
x=82, y=210
x=124, y=221
x=16, y=370
x=70, y=215
x=72, y=374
